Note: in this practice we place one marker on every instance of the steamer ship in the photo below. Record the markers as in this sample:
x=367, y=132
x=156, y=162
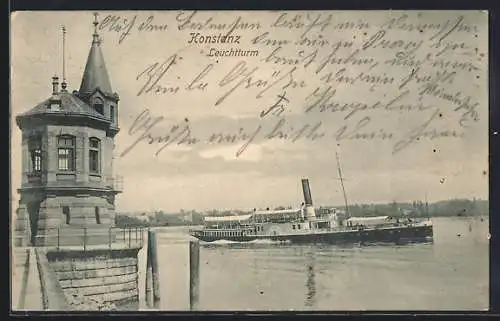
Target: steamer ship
x=307, y=224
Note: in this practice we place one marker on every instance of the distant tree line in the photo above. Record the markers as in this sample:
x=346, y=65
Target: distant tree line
x=454, y=207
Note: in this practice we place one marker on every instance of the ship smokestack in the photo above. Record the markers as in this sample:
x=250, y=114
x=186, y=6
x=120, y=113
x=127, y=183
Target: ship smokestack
x=309, y=208
x=307, y=192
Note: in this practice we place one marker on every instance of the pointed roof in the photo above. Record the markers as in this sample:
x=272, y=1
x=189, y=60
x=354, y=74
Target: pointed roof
x=95, y=74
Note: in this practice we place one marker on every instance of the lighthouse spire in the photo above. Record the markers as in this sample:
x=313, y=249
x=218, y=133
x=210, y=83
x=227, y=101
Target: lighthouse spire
x=95, y=74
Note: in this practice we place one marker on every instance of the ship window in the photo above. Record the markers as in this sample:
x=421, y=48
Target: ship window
x=66, y=153
x=94, y=151
x=298, y=226
x=293, y=226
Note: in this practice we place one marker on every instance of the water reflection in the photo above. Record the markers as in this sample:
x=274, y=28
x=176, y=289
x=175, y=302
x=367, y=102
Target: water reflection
x=311, y=280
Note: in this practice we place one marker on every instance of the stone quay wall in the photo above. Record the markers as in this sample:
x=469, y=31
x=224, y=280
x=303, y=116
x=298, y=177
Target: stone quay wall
x=105, y=278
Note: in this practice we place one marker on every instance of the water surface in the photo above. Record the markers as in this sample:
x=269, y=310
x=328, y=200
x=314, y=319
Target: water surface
x=450, y=273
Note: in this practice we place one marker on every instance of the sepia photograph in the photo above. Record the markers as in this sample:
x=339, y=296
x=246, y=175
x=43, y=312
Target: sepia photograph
x=249, y=161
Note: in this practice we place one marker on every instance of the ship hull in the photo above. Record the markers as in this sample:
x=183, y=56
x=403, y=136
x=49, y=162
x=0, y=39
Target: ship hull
x=412, y=234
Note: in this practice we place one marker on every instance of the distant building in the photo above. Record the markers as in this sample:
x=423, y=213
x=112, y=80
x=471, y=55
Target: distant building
x=188, y=217
x=67, y=159
x=144, y=218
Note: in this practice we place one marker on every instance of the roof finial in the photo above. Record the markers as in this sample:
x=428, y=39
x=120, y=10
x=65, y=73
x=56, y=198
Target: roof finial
x=96, y=23
x=63, y=83
x=55, y=85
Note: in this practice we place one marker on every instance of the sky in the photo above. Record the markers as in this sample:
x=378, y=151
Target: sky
x=267, y=174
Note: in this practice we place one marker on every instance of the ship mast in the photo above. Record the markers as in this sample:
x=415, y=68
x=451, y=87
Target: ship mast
x=342, y=184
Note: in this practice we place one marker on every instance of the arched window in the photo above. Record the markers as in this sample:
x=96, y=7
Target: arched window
x=66, y=153
x=94, y=151
x=99, y=105
x=35, y=148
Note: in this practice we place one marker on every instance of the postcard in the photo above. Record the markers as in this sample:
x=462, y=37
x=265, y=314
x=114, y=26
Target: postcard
x=249, y=160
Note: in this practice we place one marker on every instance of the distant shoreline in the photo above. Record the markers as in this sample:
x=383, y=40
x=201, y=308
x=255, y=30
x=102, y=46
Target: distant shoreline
x=417, y=209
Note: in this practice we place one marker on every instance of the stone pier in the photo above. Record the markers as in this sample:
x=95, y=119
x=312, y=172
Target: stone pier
x=109, y=276
x=80, y=277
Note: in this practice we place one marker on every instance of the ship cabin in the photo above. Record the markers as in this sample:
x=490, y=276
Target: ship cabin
x=249, y=224
x=375, y=221
x=261, y=222
x=277, y=216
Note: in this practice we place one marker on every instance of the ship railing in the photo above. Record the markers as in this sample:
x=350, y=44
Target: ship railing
x=383, y=225
x=226, y=228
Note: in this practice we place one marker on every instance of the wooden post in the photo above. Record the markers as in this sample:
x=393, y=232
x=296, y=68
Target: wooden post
x=58, y=238
x=129, y=236
x=194, y=274
x=149, y=285
x=85, y=238
x=153, y=263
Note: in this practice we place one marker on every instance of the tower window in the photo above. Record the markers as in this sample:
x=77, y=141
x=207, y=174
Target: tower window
x=35, y=147
x=112, y=113
x=97, y=215
x=65, y=210
x=99, y=106
x=66, y=153
x=94, y=149
x=36, y=158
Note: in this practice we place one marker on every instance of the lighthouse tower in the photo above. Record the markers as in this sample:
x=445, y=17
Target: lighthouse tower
x=68, y=187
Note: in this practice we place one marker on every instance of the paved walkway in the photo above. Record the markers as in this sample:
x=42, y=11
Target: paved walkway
x=30, y=287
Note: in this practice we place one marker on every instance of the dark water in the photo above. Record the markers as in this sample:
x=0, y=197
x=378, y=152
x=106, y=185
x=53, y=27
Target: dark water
x=450, y=273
